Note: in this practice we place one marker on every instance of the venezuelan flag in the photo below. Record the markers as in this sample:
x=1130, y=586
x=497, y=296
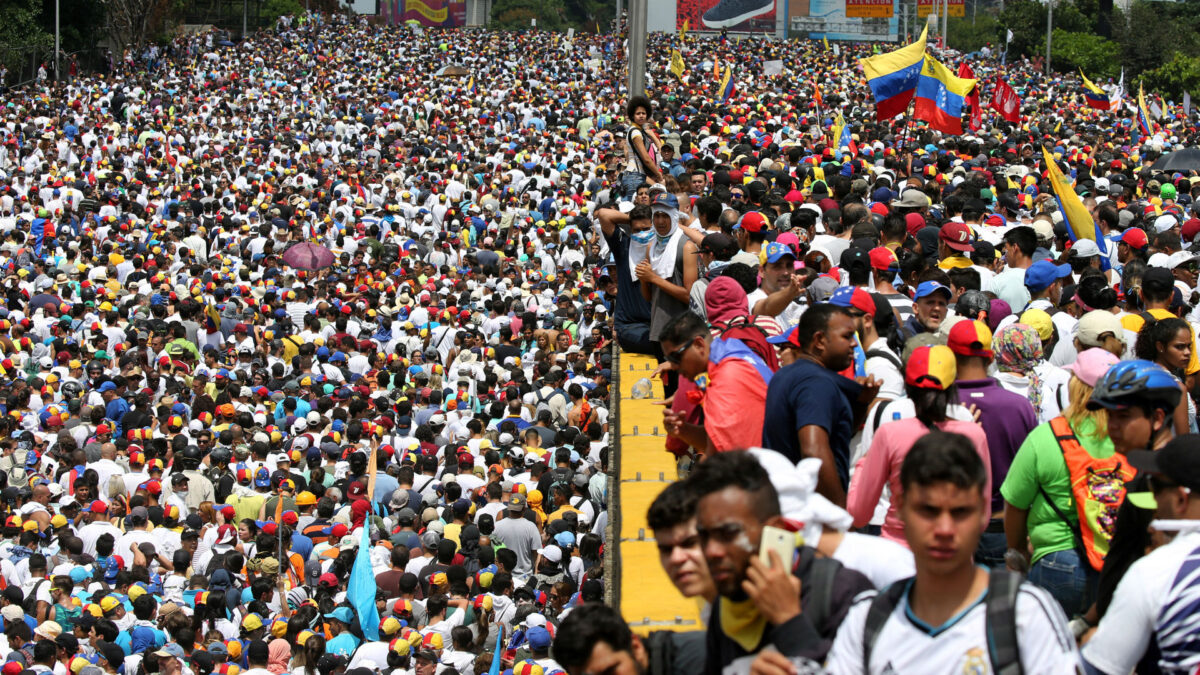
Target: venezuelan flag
x=1080, y=224
x=893, y=77
x=1144, y=123
x=940, y=95
x=725, y=88
x=841, y=132
x=471, y=85
x=1095, y=96
x=212, y=319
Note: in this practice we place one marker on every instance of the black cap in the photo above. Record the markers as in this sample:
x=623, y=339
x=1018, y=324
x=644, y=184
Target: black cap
x=719, y=244
x=1158, y=280
x=855, y=257
x=1178, y=461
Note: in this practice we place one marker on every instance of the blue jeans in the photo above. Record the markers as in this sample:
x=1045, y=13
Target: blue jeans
x=990, y=551
x=1071, y=581
x=630, y=180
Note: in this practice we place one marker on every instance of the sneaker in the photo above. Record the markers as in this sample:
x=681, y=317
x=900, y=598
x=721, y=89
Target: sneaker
x=729, y=13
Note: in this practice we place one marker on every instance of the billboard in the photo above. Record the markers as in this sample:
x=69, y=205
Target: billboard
x=925, y=7
x=739, y=16
x=431, y=13
x=869, y=9
x=833, y=20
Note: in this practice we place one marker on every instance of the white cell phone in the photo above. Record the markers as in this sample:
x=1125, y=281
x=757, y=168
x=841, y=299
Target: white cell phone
x=779, y=540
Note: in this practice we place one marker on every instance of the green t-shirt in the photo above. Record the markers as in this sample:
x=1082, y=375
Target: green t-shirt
x=1040, y=462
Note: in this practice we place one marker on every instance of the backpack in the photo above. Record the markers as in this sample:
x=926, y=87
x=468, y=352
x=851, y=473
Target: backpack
x=1003, y=651
x=29, y=604
x=888, y=356
x=754, y=337
x=660, y=647
x=1097, y=488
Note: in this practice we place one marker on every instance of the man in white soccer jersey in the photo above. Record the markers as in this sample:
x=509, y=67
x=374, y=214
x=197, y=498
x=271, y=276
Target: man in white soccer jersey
x=953, y=616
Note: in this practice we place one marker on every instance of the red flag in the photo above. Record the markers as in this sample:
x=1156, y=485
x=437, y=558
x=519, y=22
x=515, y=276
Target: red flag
x=972, y=99
x=1006, y=102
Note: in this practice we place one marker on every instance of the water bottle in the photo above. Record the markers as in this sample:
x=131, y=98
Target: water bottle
x=643, y=388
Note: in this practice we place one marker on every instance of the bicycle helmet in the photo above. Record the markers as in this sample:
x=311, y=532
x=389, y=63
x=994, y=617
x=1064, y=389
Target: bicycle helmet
x=1136, y=383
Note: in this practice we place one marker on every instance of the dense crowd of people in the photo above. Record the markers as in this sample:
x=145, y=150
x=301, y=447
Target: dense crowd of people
x=307, y=348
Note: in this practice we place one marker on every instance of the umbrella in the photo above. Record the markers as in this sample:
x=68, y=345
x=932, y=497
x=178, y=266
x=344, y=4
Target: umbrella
x=1187, y=159
x=306, y=256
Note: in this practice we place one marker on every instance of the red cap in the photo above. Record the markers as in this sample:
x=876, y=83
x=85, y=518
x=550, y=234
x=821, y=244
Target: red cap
x=753, y=221
x=290, y=518
x=1136, y=237
x=914, y=223
x=328, y=579
x=1190, y=229
x=98, y=507
x=957, y=236
x=883, y=258
x=338, y=531
x=970, y=338
x=269, y=528
x=152, y=486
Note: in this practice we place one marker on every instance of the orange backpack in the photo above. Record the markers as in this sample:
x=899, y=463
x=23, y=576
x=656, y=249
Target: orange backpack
x=1097, y=488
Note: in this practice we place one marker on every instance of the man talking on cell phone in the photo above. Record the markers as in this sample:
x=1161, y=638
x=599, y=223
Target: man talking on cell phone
x=793, y=606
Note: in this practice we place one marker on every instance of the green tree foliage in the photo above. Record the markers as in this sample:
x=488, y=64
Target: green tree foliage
x=1151, y=32
x=1174, y=77
x=1027, y=20
x=1095, y=55
x=273, y=9
x=967, y=35
x=516, y=14
x=20, y=24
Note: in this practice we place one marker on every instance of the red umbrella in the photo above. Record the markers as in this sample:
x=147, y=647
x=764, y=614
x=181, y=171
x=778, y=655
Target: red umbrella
x=306, y=256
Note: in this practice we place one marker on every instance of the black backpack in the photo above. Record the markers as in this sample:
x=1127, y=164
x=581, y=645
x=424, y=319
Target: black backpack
x=1003, y=650
x=29, y=604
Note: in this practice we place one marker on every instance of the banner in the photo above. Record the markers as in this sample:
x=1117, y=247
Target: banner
x=925, y=8
x=1006, y=102
x=428, y=13
x=869, y=9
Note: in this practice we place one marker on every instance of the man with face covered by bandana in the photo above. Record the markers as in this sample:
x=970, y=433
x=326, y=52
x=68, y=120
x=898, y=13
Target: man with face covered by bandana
x=664, y=261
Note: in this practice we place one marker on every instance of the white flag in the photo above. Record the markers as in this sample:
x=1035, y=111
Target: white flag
x=1187, y=104
x=1010, y=36
x=1155, y=111
x=773, y=67
x=837, y=49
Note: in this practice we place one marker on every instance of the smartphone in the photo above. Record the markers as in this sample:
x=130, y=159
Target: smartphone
x=778, y=540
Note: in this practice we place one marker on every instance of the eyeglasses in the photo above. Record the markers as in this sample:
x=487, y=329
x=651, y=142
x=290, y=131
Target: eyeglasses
x=736, y=195
x=677, y=356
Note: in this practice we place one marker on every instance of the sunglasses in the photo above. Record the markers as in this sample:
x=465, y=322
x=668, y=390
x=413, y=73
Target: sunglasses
x=676, y=356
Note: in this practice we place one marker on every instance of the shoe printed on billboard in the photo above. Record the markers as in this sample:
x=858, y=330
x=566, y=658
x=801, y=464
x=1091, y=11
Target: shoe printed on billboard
x=729, y=13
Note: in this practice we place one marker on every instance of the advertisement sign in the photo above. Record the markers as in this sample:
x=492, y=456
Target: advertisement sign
x=430, y=13
x=737, y=16
x=869, y=9
x=925, y=8
x=836, y=20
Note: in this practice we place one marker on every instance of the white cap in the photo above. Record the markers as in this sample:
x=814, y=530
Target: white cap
x=1084, y=248
x=1164, y=223
x=1180, y=257
x=1159, y=260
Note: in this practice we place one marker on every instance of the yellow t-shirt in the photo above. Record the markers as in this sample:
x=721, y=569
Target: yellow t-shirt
x=1134, y=322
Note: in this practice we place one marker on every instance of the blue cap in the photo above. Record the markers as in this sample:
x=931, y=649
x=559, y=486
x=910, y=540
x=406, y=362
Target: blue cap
x=930, y=287
x=262, y=477
x=783, y=338
x=342, y=614
x=1042, y=273
x=107, y=386
x=322, y=351
x=338, y=356
x=775, y=251
x=565, y=539
x=539, y=638
x=664, y=200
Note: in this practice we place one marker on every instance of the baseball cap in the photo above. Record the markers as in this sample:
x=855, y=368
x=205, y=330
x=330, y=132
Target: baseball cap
x=1042, y=273
x=930, y=367
x=752, y=221
x=664, y=200
x=1084, y=248
x=342, y=614
x=853, y=297
x=927, y=288
x=883, y=258
x=539, y=638
x=957, y=236
x=1178, y=461
x=515, y=502
x=774, y=251
x=1096, y=323
x=1091, y=364
x=970, y=338
x=1040, y=321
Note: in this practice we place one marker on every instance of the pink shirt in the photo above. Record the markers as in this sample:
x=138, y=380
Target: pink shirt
x=734, y=405
x=881, y=466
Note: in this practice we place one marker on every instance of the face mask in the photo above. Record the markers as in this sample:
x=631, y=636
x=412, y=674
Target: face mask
x=643, y=237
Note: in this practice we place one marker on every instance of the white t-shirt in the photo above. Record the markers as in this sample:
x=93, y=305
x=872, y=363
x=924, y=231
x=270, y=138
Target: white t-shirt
x=1153, y=600
x=883, y=561
x=905, y=646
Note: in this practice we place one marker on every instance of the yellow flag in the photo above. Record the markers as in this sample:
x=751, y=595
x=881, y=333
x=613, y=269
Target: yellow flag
x=826, y=41
x=677, y=64
x=683, y=31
